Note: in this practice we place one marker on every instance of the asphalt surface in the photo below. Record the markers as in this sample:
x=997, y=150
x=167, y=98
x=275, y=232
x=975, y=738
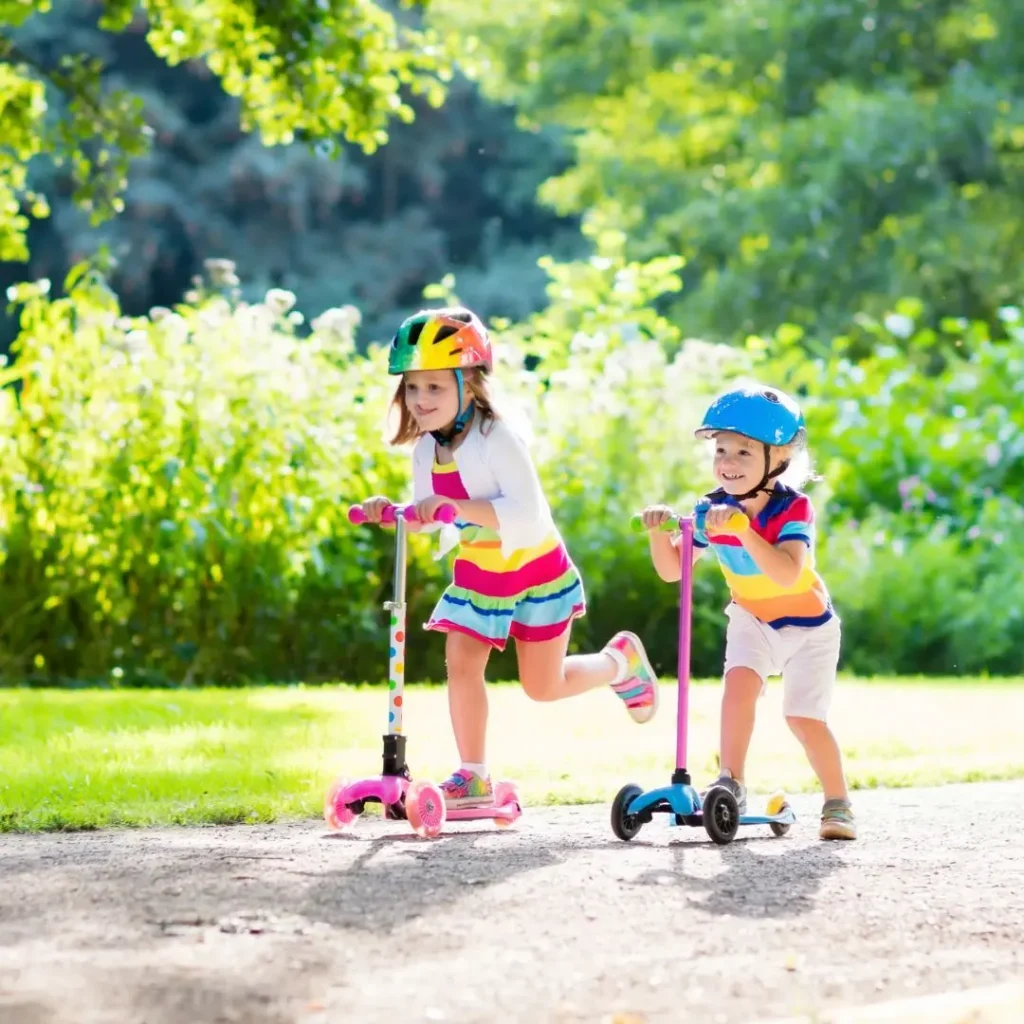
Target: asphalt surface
x=551, y=920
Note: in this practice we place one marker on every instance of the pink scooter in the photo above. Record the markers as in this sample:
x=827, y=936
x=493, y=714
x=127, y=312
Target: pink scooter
x=420, y=802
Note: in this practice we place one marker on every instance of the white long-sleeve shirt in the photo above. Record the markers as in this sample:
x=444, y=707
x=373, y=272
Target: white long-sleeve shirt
x=495, y=465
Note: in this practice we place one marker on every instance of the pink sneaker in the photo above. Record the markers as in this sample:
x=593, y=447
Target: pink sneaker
x=466, y=789
x=639, y=687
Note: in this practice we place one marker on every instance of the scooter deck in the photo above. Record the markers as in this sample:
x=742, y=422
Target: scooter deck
x=683, y=802
x=509, y=810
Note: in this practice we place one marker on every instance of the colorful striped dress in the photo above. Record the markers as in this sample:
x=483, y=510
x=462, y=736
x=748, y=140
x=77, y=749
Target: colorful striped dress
x=532, y=595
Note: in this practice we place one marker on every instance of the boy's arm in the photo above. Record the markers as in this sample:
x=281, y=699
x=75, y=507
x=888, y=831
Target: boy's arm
x=782, y=562
x=665, y=555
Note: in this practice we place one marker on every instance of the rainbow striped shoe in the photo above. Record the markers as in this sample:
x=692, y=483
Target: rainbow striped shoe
x=466, y=789
x=639, y=686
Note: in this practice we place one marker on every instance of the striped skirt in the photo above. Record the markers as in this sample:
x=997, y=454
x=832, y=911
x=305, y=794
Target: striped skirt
x=533, y=596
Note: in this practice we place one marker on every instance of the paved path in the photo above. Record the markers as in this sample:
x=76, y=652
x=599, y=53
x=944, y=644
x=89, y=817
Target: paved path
x=552, y=921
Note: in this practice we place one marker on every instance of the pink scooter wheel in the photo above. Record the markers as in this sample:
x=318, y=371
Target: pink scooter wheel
x=336, y=814
x=504, y=793
x=424, y=807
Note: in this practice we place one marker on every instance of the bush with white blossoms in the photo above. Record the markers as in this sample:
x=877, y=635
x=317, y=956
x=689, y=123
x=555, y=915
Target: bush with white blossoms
x=174, y=488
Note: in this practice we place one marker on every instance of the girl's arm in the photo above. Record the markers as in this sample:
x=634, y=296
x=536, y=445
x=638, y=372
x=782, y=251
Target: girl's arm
x=478, y=512
x=520, y=510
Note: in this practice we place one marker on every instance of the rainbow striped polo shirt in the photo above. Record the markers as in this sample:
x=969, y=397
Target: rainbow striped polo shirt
x=789, y=515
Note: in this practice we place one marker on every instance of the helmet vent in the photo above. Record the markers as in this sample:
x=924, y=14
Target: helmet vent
x=771, y=396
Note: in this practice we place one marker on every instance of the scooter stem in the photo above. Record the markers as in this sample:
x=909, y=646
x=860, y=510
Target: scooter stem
x=685, y=524
x=396, y=650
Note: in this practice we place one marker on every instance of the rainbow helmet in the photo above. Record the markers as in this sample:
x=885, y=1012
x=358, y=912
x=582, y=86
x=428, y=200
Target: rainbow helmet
x=440, y=339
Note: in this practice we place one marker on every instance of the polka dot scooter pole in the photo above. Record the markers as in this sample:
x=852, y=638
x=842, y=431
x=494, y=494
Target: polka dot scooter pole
x=346, y=800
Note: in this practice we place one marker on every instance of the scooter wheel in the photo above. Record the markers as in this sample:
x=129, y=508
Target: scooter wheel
x=776, y=804
x=625, y=825
x=337, y=815
x=721, y=815
x=424, y=807
x=505, y=793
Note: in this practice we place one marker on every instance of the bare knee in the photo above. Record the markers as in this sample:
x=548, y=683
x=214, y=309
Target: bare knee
x=465, y=661
x=742, y=686
x=541, y=687
x=804, y=728
x=464, y=677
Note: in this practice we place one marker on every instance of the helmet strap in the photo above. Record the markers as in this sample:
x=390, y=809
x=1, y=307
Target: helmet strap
x=445, y=437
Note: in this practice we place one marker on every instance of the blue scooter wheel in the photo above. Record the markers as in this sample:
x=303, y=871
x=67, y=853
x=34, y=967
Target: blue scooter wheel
x=721, y=815
x=624, y=825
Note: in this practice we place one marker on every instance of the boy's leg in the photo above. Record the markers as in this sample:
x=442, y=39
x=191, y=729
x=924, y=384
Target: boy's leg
x=808, y=684
x=750, y=658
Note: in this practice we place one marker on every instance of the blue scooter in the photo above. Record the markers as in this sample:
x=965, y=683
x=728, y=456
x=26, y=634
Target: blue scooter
x=718, y=812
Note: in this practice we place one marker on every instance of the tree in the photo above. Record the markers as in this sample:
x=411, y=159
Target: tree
x=301, y=70
x=808, y=159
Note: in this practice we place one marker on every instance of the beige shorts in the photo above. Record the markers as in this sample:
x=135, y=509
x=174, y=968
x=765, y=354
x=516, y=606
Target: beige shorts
x=805, y=656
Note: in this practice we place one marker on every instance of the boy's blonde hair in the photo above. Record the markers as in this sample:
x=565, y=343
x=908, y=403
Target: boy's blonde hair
x=800, y=470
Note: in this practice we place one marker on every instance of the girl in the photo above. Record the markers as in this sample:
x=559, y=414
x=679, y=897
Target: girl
x=781, y=619
x=512, y=573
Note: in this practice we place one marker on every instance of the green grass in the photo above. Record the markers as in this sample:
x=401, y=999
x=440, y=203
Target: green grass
x=91, y=758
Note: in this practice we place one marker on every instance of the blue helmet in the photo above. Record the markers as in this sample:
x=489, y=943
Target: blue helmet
x=762, y=413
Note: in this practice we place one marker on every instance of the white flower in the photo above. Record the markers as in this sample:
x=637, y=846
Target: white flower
x=279, y=300
x=898, y=324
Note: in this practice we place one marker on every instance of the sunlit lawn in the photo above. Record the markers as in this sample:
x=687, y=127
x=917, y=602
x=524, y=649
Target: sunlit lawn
x=72, y=759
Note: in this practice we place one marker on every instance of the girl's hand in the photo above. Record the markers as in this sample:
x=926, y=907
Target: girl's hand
x=725, y=519
x=374, y=508
x=655, y=516
x=426, y=508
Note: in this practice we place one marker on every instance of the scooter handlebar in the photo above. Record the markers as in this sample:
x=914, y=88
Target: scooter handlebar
x=636, y=524
x=736, y=523
x=444, y=514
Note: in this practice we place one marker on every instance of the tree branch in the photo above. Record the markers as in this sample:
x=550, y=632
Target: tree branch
x=11, y=53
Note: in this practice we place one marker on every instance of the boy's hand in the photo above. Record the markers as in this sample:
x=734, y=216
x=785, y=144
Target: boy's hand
x=725, y=519
x=655, y=516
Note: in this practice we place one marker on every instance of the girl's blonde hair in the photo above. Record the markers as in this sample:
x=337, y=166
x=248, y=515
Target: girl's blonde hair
x=477, y=387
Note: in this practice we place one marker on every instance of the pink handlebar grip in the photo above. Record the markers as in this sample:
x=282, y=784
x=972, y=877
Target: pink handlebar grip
x=357, y=517
x=443, y=514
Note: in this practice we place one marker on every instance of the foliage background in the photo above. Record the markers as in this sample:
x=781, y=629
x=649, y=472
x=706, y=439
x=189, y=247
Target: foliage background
x=823, y=195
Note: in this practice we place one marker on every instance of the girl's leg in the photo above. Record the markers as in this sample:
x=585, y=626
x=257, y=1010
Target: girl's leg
x=466, y=657
x=546, y=674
